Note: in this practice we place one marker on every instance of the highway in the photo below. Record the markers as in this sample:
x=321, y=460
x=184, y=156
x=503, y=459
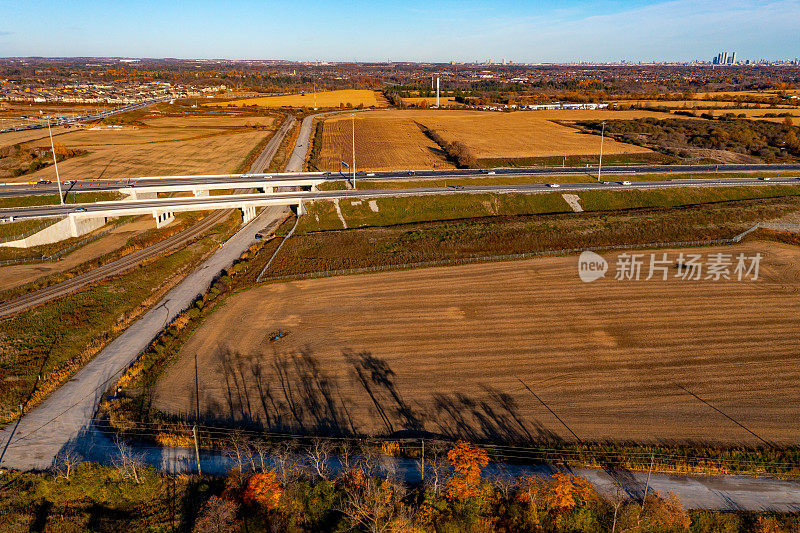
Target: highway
x=120, y=208
x=92, y=116
x=25, y=189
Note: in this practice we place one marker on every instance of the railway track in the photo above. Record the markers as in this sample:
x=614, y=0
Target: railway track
x=116, y=267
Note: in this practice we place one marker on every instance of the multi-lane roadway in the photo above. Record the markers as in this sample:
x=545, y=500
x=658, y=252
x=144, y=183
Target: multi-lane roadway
x=121, y=208
x=25, y=189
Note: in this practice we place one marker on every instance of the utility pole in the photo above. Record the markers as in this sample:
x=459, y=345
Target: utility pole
x=55, y=162
x=647, y=484
x=196, y=416
x=196, y=450
x=600, y=164
x=423, y=461
x=353, y=115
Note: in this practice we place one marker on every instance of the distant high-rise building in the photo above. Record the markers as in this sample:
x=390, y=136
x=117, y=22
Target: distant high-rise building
x=723, y=58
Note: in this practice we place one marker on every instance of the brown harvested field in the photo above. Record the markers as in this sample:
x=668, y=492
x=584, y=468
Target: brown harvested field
x=391, y=139
x=16, y=275
x=15, y=137
x=354, y=97
x=429, y=101
x=164, y=146
x=382, y=143
x=220, y=121
x=521, y=134
x=444, y=350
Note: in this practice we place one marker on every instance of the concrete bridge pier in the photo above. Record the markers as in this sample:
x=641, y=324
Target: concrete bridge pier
x=163, y=218
x=299, y=209
x=267, y=189
x=248, y=213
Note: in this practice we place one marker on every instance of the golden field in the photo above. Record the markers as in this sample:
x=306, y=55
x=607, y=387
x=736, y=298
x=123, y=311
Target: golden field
x=393, y=143
x=429, y=101
x=391, y=139
x=453, y=350
x=164, y=146
x=354, y=97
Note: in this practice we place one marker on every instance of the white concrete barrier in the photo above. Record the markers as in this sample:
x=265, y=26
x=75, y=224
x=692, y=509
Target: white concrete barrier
x=71, y=226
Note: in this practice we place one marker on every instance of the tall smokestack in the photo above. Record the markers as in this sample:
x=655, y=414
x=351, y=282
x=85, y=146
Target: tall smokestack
x=437, y=91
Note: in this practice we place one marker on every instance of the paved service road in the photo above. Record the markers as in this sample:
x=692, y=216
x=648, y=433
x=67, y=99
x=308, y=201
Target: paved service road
x=35, y=441
x=300, y=150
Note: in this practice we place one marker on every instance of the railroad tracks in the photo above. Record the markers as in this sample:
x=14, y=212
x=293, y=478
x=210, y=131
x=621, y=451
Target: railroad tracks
x=114, y=268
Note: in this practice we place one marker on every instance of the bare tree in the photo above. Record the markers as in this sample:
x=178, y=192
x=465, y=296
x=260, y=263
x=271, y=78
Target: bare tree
x=504, y=483
x=616, y=501
x=345, y=456
x=127, y=462
x=436, y=465
x=317, y=456
x=368, y=459
x=66, y=461
x=238, y=449
x=261, y=449
x=285, y=460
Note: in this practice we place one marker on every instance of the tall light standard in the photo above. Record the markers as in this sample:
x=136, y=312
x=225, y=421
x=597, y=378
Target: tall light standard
x=353, y=115
x=600, y=164
x=55, y=162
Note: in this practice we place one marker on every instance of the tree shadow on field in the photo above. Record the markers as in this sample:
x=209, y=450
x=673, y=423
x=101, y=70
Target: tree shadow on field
x=292, y=394
x=492, y=417
x=295, y=393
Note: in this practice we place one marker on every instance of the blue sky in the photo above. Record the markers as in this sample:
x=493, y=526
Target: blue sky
x=469, y=30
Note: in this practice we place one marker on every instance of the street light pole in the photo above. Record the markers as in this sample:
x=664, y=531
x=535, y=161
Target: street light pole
x=55, y=162
x=353, y=115
x=600, y=164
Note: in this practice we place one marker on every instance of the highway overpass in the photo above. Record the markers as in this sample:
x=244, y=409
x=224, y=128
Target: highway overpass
x=305, y=178
x=247, y=202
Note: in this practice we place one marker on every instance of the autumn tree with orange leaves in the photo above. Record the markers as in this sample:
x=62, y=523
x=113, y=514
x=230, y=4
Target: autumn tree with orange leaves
x=468, y=461
x=263, y=490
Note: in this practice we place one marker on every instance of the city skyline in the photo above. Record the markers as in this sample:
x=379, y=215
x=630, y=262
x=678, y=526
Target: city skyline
x=520, y=32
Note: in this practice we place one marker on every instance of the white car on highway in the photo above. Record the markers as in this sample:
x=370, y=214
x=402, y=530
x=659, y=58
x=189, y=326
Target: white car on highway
x=554, y=185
